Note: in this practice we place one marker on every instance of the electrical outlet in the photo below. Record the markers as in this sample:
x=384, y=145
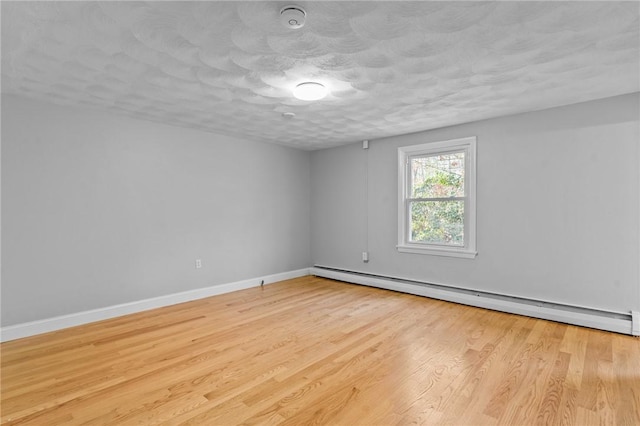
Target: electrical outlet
x=365, y=256
x=198, y=263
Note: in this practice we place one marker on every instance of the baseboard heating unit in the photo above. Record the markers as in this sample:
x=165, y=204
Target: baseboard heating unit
x=619, y=322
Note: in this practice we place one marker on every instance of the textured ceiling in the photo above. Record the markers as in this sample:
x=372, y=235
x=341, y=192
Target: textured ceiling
x=392, y=67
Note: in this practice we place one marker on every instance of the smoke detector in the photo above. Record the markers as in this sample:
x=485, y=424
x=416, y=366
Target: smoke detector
x=293, y=17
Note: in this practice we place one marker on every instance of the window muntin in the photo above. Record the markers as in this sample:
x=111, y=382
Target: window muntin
x=437, y=198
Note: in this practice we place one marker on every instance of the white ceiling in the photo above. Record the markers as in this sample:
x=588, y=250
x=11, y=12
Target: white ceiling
x=392, y=67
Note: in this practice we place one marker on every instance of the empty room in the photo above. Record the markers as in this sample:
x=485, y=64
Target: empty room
x=320, y=212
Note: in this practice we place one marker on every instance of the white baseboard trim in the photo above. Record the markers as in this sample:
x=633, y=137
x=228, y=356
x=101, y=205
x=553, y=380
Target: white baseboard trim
x=32, y=328
x=635, y=323
x=585, y=317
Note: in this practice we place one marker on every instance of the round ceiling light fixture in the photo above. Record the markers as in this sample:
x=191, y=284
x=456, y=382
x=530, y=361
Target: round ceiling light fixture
x=310, y=91
x=293, y=17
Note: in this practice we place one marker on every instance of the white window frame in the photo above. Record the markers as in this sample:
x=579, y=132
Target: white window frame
x=405, y=245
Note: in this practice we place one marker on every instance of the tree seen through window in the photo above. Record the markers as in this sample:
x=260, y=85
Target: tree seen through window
x=437, y=199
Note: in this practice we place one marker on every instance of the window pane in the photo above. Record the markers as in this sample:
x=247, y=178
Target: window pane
x=437, y=176
x=438, y=222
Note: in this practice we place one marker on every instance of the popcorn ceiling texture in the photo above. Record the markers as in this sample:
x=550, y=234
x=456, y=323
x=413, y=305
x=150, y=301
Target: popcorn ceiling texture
x=392, y=67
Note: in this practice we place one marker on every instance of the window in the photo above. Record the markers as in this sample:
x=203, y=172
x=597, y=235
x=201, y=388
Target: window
x=437, y=198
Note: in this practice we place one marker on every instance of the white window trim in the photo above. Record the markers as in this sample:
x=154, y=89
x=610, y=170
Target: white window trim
x=468, y=250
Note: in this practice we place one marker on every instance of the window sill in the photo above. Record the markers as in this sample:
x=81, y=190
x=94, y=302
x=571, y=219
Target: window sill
x=467, y=254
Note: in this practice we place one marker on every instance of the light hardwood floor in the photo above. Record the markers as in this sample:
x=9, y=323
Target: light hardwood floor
x=316, y=351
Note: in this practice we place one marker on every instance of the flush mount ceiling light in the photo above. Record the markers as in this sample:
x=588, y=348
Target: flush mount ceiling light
x=310, y=91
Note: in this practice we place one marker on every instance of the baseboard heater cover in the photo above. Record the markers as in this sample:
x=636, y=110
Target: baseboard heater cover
x=587, y=317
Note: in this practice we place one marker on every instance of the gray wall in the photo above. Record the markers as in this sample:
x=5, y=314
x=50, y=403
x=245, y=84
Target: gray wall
x=99, y=210
x=558, y=207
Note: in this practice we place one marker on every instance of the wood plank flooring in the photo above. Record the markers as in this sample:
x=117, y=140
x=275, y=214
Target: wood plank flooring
x=316, y=351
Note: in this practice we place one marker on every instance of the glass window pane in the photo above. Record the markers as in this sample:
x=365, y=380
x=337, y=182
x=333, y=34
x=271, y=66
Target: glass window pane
x=437, y=176
x=437, y=222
